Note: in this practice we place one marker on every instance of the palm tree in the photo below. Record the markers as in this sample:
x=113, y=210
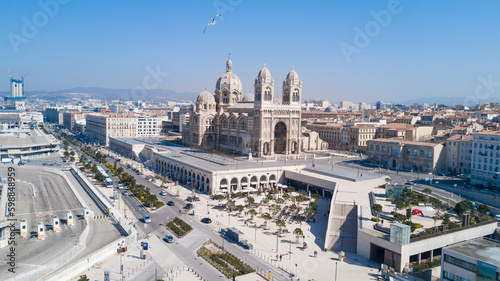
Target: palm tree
x=266, y=217
x=250, y=201
x=280, y=224
x=252, y=213
x=298, y=232
x=240, y=208
x=377, y=208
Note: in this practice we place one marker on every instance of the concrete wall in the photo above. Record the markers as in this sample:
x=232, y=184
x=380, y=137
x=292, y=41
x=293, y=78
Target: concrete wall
x=444, y=240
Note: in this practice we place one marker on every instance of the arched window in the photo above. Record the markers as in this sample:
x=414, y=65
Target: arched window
x=243, y=125
x=233, y=125
x=225, y=98
x=224, y=123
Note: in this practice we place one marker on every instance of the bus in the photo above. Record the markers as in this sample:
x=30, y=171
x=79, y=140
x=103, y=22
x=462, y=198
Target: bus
x=109, y=182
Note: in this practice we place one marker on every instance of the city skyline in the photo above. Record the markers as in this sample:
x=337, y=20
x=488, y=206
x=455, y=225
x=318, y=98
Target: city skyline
x=383, y=50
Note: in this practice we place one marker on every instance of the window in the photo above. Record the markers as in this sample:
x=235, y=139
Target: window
x=233, y=124
x=383, y=148
x=243, y=125
x=460, y=263
x=453, y=277
x=414, y=152
x=422, y=153
x=429, y=154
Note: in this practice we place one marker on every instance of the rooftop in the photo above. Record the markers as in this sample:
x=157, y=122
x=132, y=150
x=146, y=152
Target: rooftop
x=405, y=141
x=486, y=250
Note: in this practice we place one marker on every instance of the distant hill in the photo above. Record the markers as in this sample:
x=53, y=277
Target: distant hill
x=111, y=94
x=450, y=101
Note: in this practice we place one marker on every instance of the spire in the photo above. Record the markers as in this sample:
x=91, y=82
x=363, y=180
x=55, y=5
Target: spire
x=229, y=64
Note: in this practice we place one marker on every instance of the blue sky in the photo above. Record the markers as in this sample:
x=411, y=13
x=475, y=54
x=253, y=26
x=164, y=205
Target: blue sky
x=426, y=49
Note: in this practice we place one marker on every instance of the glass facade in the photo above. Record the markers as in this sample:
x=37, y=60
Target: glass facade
x=460, y=263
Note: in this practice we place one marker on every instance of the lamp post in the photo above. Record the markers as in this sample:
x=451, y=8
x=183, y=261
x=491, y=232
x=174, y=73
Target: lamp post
x=336, y=270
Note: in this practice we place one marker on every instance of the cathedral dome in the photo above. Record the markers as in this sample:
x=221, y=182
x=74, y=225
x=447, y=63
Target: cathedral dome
x=249, y=97
x=229, y=80
x=264, y=73
x=205, y=97
x=292, y=75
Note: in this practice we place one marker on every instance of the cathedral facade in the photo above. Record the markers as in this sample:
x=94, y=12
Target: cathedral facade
x=256, y=124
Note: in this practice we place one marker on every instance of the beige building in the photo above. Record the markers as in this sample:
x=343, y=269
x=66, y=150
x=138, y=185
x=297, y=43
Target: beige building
x=458, y=154
x=359, y=135
x=335, y=134
x=100, y=127
x=401, y=154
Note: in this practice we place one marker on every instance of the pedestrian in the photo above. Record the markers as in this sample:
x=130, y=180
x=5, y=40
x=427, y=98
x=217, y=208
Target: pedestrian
x=276, y=257
x=380, y=269
x=315, y=254
x=281, y=257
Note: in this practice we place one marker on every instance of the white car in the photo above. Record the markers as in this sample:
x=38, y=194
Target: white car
x=120, y=186
x=163, y=193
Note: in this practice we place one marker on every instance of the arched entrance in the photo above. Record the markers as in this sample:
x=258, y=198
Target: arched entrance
x=280, y=138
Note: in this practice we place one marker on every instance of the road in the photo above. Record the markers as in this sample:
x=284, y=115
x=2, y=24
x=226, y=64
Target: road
x=186, y=247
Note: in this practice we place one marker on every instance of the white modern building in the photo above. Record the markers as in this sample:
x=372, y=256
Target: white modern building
x=477, y=259
x=148, y=126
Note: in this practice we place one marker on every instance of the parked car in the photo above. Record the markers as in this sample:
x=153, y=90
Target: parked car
x=126, y=193
x=169, y=238
x=206, y=220
x=171, y=203
x=163, y=193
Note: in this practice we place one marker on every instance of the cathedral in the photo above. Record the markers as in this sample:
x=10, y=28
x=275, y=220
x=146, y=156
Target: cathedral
x=260, y=124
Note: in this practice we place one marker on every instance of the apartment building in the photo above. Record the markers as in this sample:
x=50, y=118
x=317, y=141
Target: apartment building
x=335, y=134
x=359, y=135
x=148, y=126
x=485, y=158
x=100, y=127
x=459, y=154
x=71, y=118
x=402, y=154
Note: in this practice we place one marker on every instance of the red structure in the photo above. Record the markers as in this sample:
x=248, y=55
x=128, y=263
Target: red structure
x=417, y=212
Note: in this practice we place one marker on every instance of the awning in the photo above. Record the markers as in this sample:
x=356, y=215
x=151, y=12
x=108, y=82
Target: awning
x=223, y=185
x=249, y=189
x=263, y=181
x=244, y=183
x=272, y=181
x=254, y=182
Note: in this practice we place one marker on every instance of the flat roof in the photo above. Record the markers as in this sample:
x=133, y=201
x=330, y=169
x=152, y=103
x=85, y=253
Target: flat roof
x=35, y=139
x=485, y=250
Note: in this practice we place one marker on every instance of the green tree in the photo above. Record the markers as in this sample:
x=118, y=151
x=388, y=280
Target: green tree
x=316, y=196
x=94, y=168
x=377, y=208
x=266, y=217
x=240, y=208
x=408, y=213
x=463, y=206
x=280, y=224
x=427, y=190
x=400, y=204
x=72, y=153
x=286, y=196
x=291, y=189
x=269, y=197
x=298, y=232
x=219, y=197
x=390, y=192
x=99, y=177
x=252, y=213
x=483, y=209
x=250, y=201
x=83, y=278
x=399, y=217
x=119, y=170
x=72, y=159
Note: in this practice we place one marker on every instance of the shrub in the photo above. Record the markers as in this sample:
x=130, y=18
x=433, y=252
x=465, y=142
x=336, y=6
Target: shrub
x=376, y=219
